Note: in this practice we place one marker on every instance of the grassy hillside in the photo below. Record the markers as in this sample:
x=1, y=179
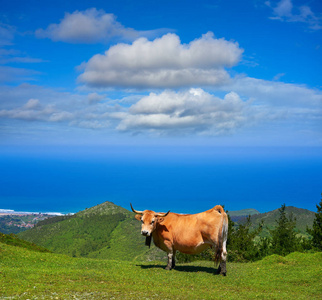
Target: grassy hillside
x=33, y=275
x=103, y=231
x=13, y=240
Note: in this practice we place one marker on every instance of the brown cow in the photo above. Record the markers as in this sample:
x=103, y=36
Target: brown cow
x=188, y=233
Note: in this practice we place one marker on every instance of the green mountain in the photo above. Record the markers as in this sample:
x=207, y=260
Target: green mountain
x=102, y=231
x=304, y=218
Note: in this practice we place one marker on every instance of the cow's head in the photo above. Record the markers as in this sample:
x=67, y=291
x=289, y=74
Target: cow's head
x=149, y=220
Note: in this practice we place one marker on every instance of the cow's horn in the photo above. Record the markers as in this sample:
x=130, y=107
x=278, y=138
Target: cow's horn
x=162, y=214
x=136, y=211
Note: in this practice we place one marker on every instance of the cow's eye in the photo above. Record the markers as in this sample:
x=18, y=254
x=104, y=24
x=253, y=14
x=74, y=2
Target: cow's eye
x=152, y=222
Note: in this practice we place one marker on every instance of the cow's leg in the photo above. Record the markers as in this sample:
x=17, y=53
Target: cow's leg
x=222, y=266
x=221, y=256
x=170, y=260
x=173, y=259
x=171, y=253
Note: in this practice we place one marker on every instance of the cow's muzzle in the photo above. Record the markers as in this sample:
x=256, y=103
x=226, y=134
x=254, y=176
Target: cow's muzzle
x=145, y=233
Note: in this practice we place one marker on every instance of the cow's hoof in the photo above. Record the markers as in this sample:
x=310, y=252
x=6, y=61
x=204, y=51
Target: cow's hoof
x=223, y=273
x=168, y=268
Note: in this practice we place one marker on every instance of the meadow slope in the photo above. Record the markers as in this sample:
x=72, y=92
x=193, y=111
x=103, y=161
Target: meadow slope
x=29, y=274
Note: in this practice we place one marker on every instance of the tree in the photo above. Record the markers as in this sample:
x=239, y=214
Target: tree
x=284, y=240
x=316, y=231
x=241, y=246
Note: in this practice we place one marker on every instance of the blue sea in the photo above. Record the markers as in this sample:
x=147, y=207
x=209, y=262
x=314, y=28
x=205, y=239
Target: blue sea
x=181, y=180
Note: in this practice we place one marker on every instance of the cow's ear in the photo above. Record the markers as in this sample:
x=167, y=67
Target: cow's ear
x=160, y=220
x=138, y=217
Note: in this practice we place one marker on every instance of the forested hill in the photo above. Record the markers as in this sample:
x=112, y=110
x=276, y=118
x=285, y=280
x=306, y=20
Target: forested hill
x=110, y=231
x=304, y=218
x=102, y=231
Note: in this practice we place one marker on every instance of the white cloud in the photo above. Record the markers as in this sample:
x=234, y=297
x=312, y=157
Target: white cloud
x=60, y=116
x=283, y=8
x=163, y=63
x=192, y=111
x=32, y=104
x=90, y=26
x=286, y=11
x=94, y=98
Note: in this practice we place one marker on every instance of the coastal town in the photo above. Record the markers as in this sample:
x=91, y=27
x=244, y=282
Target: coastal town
x=15, y=222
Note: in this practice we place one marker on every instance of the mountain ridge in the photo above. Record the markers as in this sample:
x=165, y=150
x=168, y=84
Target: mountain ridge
x=304, y=218
x=243, y=212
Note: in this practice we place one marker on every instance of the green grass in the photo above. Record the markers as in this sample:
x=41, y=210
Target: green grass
x=13, y=240
x=26, y=274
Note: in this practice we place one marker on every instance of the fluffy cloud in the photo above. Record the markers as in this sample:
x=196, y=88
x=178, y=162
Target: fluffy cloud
x=95, y=98
x=284, y=10
x=190, y=111
x=90, y=26
x=163, y=63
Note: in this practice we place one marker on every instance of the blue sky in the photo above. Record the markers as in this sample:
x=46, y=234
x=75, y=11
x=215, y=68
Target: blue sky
x=214, y=73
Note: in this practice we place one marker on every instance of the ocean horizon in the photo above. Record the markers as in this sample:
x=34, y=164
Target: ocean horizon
x=180, y=182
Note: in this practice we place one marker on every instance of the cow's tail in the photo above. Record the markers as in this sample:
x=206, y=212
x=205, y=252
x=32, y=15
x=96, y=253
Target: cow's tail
x=221, y=251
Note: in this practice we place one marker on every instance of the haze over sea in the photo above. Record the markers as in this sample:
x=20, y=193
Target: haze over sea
x=158, y=179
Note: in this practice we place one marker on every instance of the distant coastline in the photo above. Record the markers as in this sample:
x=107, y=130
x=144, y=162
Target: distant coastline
x=5, y=212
